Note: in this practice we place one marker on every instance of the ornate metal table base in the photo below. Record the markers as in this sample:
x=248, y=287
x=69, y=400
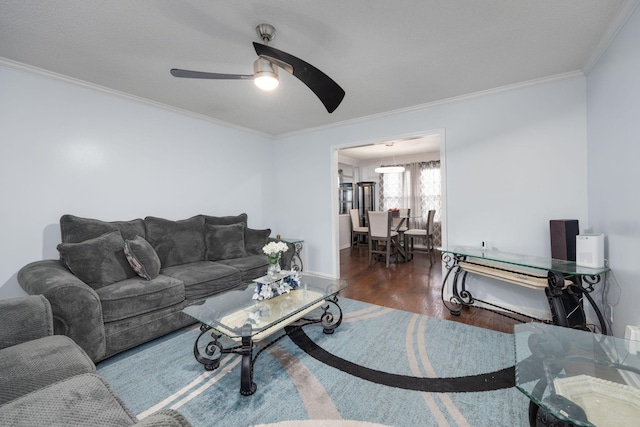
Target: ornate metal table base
x=214, y=350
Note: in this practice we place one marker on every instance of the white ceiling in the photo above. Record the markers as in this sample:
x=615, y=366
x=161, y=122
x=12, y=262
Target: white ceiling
x=386, y=55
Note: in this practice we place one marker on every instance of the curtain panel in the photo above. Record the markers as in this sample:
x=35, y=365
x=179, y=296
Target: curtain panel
x=417, y=188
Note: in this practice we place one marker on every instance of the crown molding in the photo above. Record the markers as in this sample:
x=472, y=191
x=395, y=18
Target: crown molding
x=421, y=107
x=627, y=8
x=8, y=63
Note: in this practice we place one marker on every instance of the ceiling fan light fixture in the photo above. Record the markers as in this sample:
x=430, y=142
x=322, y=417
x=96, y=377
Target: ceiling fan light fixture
x=389, y=169
x=265, y=75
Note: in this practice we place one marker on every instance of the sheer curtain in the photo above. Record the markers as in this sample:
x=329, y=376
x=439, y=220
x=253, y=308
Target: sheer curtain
x=431, y=187
x=417, y=188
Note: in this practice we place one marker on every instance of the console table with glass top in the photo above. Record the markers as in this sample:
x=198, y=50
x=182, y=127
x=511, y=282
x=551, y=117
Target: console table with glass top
x=245, y=320
x=577, y=378
x=565, y=283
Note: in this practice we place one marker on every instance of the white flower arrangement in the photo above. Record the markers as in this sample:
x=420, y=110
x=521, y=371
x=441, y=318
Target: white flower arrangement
x=279, y=287
x=274, y=248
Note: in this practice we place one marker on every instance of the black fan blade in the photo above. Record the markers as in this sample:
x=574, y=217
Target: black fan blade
x=328, y=91
x=175, y=72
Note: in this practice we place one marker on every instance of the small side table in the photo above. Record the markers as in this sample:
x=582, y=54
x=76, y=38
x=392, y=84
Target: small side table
x=296, y=262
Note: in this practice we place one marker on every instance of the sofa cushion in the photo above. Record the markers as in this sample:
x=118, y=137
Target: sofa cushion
x=225, y=220
x=204, y=278
x=75, y=229
x=254, y=240
x=99, y=261
x=136, y=296
x=251, y=267
x=142, y=257
x=225, y=241
x=80, y=400
x=37, y=363
x=176, y=242
x=133, y=331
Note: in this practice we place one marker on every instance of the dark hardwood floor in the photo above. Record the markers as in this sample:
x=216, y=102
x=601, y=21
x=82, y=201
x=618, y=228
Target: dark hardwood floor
x=411, y=286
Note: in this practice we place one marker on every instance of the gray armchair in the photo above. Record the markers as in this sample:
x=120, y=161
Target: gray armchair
x=31, y=357
x=48, y=379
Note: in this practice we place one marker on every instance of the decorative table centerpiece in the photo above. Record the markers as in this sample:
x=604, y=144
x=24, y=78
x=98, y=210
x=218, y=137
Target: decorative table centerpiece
x=283, y=283
x=274, y=251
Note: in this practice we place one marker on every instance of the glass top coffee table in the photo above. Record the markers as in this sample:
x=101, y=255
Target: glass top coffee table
x=577, y=378
x=245, y=320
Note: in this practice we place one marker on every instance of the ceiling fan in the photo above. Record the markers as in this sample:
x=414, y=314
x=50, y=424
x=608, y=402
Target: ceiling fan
x=265, y=71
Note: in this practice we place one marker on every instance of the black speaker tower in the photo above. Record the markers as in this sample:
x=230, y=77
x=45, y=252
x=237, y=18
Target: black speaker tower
x=563, y=238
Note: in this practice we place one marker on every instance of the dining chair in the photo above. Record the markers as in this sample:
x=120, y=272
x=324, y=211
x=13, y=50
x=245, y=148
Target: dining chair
x=380, y=233
x=357, y=231
x=424, y=233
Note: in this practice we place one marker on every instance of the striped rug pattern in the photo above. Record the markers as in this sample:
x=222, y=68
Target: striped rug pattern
x=381, y=367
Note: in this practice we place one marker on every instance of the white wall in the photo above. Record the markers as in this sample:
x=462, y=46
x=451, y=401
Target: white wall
x=613, y=94
x=514, y=160
x=65, y=148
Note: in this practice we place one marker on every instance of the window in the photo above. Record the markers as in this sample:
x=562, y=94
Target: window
x=399, y=190
x=392, y=189
x=431, y=188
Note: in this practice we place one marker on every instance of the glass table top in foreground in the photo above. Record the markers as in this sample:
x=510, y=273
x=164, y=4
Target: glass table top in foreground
x=549, y=264
x=577, y=376
x=231, y=311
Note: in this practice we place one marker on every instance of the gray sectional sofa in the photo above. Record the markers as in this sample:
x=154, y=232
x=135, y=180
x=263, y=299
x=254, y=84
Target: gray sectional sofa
x=48, y=380
x=122, y=283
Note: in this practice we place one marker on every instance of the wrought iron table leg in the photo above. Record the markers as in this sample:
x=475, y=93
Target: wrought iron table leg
x=458, y=299
x=328, y=320
x=247, y=386
x=213, y=350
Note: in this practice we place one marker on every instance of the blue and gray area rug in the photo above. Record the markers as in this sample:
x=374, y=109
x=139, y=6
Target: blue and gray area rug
x=380, y=367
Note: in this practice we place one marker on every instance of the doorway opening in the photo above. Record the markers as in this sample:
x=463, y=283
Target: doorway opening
x=359, y=185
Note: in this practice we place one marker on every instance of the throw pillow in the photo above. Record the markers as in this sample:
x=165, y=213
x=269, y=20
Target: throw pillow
x=225, y=220
x=225, y=241
x=99, y=261
x=142, y=258
x=176, y=242
x=254, y=240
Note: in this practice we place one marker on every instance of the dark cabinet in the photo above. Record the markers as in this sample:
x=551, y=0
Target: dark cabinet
x=366, y=200
x=345, y=198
